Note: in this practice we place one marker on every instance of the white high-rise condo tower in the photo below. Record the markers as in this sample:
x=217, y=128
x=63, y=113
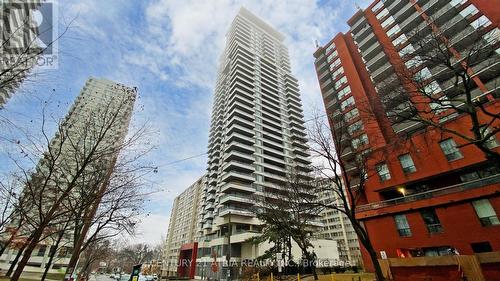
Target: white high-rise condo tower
x=257, y=134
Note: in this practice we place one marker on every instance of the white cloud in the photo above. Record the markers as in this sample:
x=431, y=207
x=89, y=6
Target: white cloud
x=151, y=229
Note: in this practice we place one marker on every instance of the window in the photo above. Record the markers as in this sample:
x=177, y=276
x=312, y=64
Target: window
x=382, y=13
x=423, y=74
x=387, y=22
x=481, y=22
x=334, y=64
x=457, y=2
x=485, y=212
x=41, y=251
x=332, y=56
x=345, y=91
x=481, y=247
x=469, y=11
x=351, y=114
x=450, y=150
x=330, y=47
x=340, y=82
x=431, y=220
x=407, y=50
x=402, y=225
x=346, y=103
x=395, y=29
x=440, y=105
x=358, y=125
x=383, y=172
x=377, y=6
x=493, y=36
x=407, y=163
x=360, y=141
x=338, y=72
x=491, y=142
x=401, y=38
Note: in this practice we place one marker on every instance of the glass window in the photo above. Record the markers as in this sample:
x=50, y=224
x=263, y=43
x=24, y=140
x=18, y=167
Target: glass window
x=351, y=114
x=481, y=22
x=407, y=163
x=402, y=225
x=485, y=212
x=387, y=22
x=450, y=150
x=423, y=74
x=469, y=11
x=493, y=36
x=440, y=104
x=346, y=103
x=358, y=125
x=382, y=13
x=334, y=64
x=457, y=2
x=431, y=89
x=360, y=141
x=41, y=251
x=338, y=72
x=330, y=47
x=377, y=6
x=340, y=82
x=491, y=142
x=383, y=172
x=431, y=220
x=401, y=38
x=332, y=56
x=407, y=50
x=395, y=29
x=345, y=91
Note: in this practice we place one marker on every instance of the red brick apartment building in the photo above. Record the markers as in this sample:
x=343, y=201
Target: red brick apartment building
x=433, y=195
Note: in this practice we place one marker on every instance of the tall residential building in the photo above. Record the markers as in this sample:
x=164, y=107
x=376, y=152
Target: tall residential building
x=430, y=193
x=256, y=134
x=337, y=227
x=98, y=120
x=183, y=226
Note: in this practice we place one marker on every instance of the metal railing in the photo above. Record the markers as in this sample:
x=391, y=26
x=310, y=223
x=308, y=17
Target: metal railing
x=431, y=193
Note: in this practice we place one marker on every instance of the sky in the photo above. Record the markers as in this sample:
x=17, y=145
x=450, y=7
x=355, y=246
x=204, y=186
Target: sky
x=169, y=49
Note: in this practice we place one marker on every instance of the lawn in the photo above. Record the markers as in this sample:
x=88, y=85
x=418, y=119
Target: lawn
x=347, y=277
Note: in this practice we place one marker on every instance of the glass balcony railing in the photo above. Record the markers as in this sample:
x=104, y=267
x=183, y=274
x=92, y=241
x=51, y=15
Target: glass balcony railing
x=431, y=193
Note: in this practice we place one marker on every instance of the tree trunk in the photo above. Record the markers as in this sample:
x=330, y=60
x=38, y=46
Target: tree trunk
x=27, y=252
x=52, y=254
x=6, y=245
x=14, y=262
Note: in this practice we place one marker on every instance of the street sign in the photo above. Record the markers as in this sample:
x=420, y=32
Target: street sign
x=136, y=270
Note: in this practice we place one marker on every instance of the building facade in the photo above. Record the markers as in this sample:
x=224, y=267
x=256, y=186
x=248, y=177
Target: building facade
x=256, y=136
x=183, y=227
x=427, y=192
x=337, y=227
x=88, y=119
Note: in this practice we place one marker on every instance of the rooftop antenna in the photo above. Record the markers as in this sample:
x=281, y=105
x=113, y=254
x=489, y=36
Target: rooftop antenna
x=357, y=6
x=316, y=43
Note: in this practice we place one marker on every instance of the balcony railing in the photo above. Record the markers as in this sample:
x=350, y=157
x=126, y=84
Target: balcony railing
x=431, y=193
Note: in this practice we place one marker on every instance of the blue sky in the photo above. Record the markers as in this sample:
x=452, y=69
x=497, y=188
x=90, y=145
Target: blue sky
x=169, y=50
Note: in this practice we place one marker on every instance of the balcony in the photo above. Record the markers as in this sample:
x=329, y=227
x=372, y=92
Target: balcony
x=234, y=197
x=237, y=187
x=431, y=193
x=235, y=211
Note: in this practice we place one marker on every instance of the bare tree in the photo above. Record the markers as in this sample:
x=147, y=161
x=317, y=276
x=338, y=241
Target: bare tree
x=442, y=77
x=81, y=154
x=327, y=145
